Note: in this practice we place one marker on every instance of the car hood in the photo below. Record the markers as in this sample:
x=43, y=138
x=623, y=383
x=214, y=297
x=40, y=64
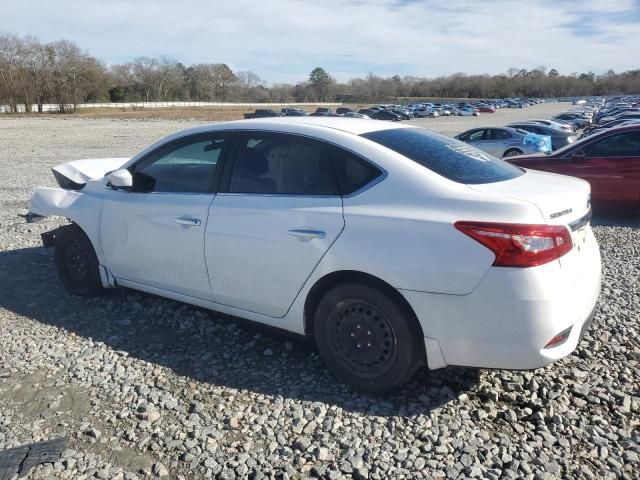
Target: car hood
x=81, y=171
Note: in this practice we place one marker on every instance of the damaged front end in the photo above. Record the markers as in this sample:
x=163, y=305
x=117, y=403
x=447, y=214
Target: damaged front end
x=71, y=200
x=74, y=175
x=72, y=178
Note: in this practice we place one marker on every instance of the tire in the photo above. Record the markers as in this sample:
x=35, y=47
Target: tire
x=366, y=338
x=76, y=262
x=512, y=153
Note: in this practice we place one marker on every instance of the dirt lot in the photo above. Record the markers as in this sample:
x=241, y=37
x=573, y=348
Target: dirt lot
x=146, y=387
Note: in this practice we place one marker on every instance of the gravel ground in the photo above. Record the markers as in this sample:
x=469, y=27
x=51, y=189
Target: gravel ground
x=147, y=387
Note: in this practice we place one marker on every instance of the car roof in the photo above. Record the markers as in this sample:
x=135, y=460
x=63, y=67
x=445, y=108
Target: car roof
x=356, y=126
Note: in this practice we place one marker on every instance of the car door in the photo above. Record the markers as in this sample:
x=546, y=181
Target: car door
x=277, y=214
x=153, y=235
x=495, y=141
x=612, y=167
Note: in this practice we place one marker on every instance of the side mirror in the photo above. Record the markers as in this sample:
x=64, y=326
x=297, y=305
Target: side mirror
x=578, y=155
x=121, y=179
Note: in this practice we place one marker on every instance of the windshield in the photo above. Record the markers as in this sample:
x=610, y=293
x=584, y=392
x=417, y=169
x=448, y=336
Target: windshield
x=448, y=157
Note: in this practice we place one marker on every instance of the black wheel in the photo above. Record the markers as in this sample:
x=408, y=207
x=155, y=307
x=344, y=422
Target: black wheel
x=512, y=153
x=76, y=262
x=366, y=338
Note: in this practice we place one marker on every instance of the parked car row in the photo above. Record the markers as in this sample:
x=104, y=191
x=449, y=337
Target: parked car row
x=396, y=112
x=506, y=141
x=607, y=155
x=550, y=134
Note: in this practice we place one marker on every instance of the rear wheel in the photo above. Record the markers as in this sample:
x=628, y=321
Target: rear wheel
x=512, y=153
x=76, y=262
x=366, y=338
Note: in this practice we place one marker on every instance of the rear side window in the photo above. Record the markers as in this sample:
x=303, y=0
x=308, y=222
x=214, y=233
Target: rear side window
x=445, y=156
x=497, y=134
x=275, y=163
x=352, y=172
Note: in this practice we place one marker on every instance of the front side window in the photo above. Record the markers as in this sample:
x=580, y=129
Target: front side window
x=626, y=144
x=274, y=163
x=474, y=135
x=185, y=166
x=445, y=156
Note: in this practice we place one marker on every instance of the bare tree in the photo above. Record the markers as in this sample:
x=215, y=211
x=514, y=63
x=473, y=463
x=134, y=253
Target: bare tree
x=144, y=75
x=246, y=81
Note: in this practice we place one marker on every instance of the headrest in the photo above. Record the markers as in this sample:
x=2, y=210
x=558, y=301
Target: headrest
x=253, y=162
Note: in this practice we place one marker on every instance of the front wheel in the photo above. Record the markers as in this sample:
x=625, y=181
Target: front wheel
x=366, y=338
x=76, y=262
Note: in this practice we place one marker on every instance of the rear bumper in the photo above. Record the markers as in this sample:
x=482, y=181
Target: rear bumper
x=512, y=314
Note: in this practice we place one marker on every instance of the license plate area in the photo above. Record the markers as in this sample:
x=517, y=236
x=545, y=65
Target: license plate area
x=579, y=238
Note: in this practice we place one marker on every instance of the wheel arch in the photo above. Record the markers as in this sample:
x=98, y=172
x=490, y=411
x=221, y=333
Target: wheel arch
x=81, y=208
x=330, y=280
x=513, y=149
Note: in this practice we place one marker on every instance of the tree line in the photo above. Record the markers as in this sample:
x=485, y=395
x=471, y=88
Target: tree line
x=60, y=72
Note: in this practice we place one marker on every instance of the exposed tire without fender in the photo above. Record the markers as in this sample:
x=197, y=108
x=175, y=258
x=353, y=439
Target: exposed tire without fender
x=76, y=262
x=366, y=338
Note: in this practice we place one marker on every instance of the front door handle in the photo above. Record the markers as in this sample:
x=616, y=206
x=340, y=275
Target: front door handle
x=308, y=233
x=188, y=222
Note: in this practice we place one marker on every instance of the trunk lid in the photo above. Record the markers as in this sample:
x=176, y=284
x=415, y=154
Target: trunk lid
x=561, y=199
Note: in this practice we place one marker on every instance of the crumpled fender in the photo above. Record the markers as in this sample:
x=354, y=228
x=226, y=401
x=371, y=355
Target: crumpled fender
x=84, y=208
x=48, y=201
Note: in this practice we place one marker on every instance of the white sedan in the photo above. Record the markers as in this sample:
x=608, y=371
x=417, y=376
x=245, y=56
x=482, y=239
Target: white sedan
x=468, y=112
x=392, y=246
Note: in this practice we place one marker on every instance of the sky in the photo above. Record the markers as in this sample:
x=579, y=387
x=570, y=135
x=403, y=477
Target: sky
x=283, y=40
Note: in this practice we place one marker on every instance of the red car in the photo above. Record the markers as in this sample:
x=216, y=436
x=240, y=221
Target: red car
x=485, y=109
x=609, y=161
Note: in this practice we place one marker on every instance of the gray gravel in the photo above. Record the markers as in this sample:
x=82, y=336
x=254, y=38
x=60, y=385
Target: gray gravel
x=147, y=387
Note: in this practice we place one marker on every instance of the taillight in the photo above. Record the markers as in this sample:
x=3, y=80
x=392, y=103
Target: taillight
x=519, y=245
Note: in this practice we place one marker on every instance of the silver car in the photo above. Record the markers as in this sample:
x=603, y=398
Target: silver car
x=506, y=141
x=559, y=138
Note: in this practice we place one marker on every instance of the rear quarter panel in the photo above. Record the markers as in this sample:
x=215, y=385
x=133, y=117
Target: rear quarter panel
x=402, y=231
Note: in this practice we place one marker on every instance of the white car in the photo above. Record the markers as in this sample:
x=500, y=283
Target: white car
x=394, y=247
x=565, y=127
x=467, y=112
x=422, y=112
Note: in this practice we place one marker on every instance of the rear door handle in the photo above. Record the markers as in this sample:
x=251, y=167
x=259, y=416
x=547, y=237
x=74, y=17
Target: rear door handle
x=188, y=222
x=308, y=233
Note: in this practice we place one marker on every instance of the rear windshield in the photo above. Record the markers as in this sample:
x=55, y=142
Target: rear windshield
x=445, y=156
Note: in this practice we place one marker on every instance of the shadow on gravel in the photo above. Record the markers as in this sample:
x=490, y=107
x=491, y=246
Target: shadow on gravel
x=207, y=346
